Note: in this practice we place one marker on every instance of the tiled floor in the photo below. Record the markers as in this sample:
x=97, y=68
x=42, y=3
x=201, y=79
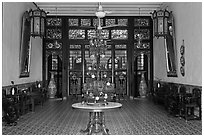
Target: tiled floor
x=136, y=117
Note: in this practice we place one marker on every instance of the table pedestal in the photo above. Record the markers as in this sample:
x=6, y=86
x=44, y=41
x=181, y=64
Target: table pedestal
x=96, y=123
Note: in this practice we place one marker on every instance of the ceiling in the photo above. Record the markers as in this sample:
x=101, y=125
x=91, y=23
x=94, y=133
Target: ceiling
x=89, y=8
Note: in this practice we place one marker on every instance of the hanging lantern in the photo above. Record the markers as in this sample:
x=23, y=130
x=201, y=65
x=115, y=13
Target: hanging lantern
x=37, y=18
x=160, y=19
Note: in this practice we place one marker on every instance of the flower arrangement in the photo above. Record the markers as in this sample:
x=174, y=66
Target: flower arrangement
x=98, y=92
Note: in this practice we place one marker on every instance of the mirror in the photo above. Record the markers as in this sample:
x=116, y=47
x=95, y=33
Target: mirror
x=170, y=44
x=25, y=46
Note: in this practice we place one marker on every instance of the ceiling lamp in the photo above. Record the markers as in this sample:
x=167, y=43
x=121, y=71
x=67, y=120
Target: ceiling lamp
x=100, y=14
x=160, y=22
x=37, y=18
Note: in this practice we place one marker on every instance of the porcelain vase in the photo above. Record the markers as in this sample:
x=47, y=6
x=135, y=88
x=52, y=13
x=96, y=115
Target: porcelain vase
x=142, y=85
x=52, y=86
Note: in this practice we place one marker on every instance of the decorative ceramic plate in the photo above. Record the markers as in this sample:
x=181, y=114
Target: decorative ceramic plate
x=182, y=60
x=182, y=49
x=182, y=70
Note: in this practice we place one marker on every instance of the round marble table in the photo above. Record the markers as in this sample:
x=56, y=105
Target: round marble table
x=96, y=115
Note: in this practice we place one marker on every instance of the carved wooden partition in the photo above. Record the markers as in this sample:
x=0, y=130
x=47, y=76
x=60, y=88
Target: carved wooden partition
x=70, y=37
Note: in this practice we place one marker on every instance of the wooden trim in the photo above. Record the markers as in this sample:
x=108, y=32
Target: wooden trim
x=189, y=87
x=20, y=86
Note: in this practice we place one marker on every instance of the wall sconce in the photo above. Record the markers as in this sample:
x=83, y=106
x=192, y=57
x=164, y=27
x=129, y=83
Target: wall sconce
x=160, y=22
x=37, y=18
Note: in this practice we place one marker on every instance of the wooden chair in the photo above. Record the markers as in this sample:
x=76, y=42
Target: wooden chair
x=173, y=100
x=111, y=92
x=38, y=95
x=189, y=103
x=10, y=108
x=75, y=86
x=120, y=86
x=26, y=100
x=161, y=93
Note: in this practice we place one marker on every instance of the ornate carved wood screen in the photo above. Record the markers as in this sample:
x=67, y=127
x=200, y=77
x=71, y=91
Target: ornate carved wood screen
x=53, y=53
x=143, y=57
x=73, y=35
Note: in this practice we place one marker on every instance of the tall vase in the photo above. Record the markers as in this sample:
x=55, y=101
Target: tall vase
x=142, y=85
x=52, y=86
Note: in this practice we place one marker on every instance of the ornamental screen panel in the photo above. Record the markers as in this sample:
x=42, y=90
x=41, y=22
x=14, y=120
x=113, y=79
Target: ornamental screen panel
x=104, y=61
x=141, y=22
x=95, y=22
x=92, y=34
x=145, y=34
x=73, y=22
x=105, y=34
x=54, y=34
x=88, y=60
x=140, y=62
x=76, y=34
x=121, y=46
x=54, y=62
x=144, y=45
x=75, y=59
x=85, y=22
x=119, y=34
x=110, y=22
x=75, y=47
x=122, y=58
x=53, y=45
x=53, y=22
x=123, y=22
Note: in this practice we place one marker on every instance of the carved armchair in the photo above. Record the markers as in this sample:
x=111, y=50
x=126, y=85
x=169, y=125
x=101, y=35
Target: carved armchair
x=75, y=86
x=120, y=86
x=189, y=102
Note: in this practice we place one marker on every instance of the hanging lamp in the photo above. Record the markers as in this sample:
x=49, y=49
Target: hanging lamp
x=37, y=18
x=160, y=22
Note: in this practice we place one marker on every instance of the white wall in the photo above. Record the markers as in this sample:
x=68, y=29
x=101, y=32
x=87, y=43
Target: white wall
x=188, y=27
x=11, y=27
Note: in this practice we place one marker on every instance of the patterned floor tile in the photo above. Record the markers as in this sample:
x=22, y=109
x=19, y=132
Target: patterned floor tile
x=136, y=117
